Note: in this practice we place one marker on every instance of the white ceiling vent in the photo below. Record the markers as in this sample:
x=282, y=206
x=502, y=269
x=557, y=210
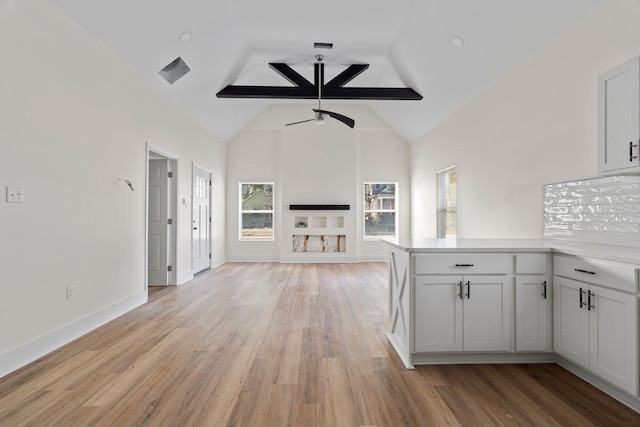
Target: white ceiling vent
x=175, y=70
x=318, y=45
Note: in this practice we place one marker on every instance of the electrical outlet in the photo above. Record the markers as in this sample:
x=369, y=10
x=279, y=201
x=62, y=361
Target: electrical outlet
x=71, y=292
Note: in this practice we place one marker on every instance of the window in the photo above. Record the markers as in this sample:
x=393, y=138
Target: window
x=380, y=219
x=447, y=205
x=256, y=210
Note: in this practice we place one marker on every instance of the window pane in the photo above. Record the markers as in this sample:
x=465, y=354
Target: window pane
x=257, y=225
x=447, y=215
x=379, y=224
x=379, y=196
x=450, y=188
x=450, y=224
x=257, y=197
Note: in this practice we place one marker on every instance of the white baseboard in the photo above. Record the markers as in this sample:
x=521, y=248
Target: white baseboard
x=33, y=350
x=218, y=262
x=184, y=277
x=253, y=259
x=374, y=258
x=318, y=259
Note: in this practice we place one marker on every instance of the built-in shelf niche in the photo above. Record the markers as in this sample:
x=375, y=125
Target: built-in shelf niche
x=319, y=222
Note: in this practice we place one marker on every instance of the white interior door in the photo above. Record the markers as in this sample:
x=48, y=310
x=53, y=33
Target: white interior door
x=157, y=254
x=201, y=219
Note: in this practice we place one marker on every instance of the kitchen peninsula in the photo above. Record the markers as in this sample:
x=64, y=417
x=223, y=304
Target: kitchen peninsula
x=518, y=300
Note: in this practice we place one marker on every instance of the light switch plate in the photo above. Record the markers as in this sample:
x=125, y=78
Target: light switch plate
x=15, y=194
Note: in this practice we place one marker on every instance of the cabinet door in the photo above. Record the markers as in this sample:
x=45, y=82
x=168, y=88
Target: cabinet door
x=613, y=330
x=619, y=118
x=570, y=320
x=487, y=313
x=533, y=314
x=438, y=314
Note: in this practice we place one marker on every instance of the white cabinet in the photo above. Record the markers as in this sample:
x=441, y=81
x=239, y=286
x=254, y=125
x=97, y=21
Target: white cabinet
x=613, y=333
x=438, y=314
x=619, y=119
x=533, y=303
x=533, y=313
x=596, y=325
x=571, y=320
x=462, y=313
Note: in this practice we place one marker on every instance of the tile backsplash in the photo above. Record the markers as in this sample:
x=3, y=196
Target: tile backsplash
x=588, y=209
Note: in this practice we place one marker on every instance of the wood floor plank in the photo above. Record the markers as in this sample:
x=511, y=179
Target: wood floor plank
x=266, y=344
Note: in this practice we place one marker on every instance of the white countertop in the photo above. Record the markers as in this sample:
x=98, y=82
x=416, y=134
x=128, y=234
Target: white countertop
x=608, y=252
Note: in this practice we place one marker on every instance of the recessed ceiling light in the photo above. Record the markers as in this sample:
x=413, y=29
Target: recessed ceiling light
x=185, y=37
x=457, y=41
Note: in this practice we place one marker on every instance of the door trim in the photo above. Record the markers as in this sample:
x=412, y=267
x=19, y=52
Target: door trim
x=207, y=170
x=173, y=213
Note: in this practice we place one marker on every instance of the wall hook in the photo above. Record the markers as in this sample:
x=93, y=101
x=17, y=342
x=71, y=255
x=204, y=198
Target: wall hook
x=126, y=181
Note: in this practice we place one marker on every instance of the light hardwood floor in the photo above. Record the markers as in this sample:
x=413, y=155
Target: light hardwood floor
x=276, y=345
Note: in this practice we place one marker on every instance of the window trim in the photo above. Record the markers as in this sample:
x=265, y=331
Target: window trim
x=263, y=211
x=365, y=211
x=441, y=210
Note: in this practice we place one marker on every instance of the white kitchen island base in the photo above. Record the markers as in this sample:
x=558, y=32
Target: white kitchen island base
x=492, y=301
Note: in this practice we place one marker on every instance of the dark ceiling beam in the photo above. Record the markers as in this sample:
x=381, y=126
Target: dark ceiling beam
x=290, y=74
x=285, y=92
x=335, y=89
x=347, y=75
x=280, y=92
x=371, y=93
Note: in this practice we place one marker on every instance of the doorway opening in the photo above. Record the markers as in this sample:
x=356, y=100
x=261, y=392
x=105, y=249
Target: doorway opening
x=161, y=218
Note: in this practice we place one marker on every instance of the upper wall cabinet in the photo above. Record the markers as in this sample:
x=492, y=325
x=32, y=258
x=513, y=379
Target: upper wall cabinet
x=619, y=119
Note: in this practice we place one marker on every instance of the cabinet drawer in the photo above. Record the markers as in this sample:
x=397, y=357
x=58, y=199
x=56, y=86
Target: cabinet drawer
x=463, y=263
x=613, y=275
x=531, y=263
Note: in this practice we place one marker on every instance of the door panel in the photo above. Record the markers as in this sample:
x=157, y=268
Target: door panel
x=613, y=334
x=438, y=314
x=486, y=313
x=200, y=220
x=531, y=314
x=571, y=332
x=158, y=212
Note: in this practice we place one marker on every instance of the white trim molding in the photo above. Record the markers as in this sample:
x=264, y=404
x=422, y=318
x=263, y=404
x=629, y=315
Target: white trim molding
x=33, y=350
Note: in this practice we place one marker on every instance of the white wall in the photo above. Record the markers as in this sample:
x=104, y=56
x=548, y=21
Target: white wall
x=535, y=126
x=383, y=156
x=73, y=119
x=314, y=164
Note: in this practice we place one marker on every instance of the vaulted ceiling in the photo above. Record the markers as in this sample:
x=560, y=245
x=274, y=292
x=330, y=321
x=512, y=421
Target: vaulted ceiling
x=407, y=44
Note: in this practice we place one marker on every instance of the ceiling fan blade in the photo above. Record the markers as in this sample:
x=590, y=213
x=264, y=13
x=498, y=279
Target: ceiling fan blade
x=303, y=121
x=344, y=119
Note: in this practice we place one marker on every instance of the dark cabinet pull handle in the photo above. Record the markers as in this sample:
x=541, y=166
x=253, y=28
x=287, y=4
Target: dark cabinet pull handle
x=581, y=303
x=544, y=289
x=464, y=265
x=460, y=289
x=468, y=289
x=584, y=271
x=631, y=147
x=589, y=305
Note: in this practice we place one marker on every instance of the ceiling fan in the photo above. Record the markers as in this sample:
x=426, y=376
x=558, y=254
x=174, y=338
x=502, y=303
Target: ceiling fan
x=319, y=113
